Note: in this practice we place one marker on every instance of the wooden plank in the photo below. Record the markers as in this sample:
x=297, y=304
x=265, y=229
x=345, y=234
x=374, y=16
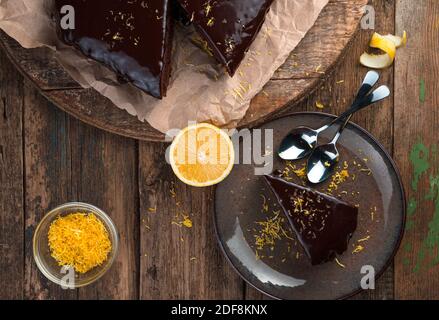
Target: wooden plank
x=48, y=174
x=336, y=93
x=178, y=262
x=11, y=182
x=70, y=161
x=416, y=142
x=105, y=168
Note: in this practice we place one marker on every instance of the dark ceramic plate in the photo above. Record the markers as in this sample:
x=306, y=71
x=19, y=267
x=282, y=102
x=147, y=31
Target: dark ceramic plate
x=276, y=265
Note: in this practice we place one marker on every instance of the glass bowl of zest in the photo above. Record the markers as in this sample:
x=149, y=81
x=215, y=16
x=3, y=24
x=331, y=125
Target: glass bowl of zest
x=68, y=276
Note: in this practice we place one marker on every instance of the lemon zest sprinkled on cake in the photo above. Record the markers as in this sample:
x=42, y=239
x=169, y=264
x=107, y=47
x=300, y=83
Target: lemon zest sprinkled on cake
x=270, y=231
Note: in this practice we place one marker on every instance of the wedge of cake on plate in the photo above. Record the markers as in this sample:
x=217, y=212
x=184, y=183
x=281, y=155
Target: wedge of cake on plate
x=323, y=224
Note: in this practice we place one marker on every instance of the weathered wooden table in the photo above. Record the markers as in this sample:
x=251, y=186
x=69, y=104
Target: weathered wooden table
x=48, y=158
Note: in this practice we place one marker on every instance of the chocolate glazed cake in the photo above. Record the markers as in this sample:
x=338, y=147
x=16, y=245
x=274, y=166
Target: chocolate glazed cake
x=228, y=26
x=133, y=38
x=323, y=224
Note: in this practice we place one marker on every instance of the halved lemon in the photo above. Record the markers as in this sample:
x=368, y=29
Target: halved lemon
x=202, y=155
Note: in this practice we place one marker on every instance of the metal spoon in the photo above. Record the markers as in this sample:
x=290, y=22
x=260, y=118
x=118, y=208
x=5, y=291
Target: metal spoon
x=300, y=142
x=324, y=158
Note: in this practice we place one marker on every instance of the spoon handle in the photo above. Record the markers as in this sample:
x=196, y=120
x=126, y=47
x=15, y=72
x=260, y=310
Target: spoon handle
x=370, y=80
x=379, y=94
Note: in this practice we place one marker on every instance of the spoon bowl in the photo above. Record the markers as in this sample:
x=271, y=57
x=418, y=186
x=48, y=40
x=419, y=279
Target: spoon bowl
x=322, y=163
x=324, y=158
x=298, y=144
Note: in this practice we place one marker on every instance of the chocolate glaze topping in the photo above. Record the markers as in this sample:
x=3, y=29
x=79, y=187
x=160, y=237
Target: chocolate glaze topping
x=323, y=224
x=228, y=26
x=132, y=37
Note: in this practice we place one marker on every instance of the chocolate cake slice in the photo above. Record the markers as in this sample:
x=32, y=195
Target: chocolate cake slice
x=133, y=38
x=323, y=224
x=228, y=26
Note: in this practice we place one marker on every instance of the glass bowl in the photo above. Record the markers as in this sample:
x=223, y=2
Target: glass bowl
x=49, y=266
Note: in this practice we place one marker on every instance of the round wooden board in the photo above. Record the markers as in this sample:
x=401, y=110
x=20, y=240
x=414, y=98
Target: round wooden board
x=312, y=60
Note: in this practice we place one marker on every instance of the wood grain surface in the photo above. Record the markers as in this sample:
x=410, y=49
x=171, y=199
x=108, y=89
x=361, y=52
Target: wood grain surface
x=11, y=182
x=47, y=157
x=316, y=55
x=417, y=124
